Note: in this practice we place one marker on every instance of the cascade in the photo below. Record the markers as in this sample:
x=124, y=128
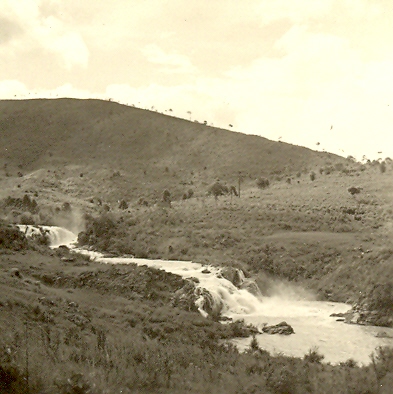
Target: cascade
x=57, y=235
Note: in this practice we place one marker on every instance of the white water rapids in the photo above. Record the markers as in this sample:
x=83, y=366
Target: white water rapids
x=311, y=321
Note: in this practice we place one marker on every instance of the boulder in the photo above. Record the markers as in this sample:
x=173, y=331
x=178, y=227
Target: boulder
x=282, y=328
x=185, y=297
x=15, y=272
x=251, y=287
x=234, y=275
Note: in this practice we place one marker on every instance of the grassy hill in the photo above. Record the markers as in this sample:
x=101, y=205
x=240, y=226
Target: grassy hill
x=151, y=151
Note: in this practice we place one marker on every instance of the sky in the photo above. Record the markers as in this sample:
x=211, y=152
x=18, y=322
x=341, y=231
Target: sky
x=315, y=73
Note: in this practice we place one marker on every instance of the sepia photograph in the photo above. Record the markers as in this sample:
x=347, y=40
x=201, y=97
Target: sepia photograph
x=196, y=197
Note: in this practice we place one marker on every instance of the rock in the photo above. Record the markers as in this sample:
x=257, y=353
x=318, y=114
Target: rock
x=338, y=315
x=206, y=271
x=206, y=302
x=234, y=275
x=282, y=328
x=383, y=334
x=185, y=297
x=68, y=259
x=15, y=272
x=352, y=317
x=251, y=287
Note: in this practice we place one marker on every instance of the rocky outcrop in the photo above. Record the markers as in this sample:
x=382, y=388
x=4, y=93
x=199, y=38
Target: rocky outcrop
x=193, y=298
x=185, y=298
x=282, y=328
x=251, y=287
x=234, y=275
x=362, y=315
x=374, y=308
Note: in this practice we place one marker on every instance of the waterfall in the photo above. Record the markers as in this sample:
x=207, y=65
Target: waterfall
x=57, y=235
x=212, y=292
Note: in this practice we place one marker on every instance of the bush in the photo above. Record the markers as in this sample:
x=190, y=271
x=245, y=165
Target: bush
x=166, y=196
x=313, y=176
x=313, y=356
x=263, y=183
x=381, y=297
x=12, y=238
x=217, y=189
x=354, y=190
x=123, y=204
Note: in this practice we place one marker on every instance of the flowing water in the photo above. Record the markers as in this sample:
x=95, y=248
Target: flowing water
x=57, y=235
x=314, y=328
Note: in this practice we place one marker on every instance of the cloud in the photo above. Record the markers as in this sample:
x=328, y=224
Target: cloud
x=10, y=89
x=14, y=89
x=9, y=30
x=45, y=33
x=171, y=62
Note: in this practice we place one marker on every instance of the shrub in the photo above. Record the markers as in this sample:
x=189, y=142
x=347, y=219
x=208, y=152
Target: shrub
x=12, y=238
x=382, y=167
x=354, y=190
x=254, y=345
x=66, y=207
x=263, y=183
x=313, y=356
x=313, y=176
x=381, y=297
x=166, y=196
x=217, y=189
x=233, y=191
x=123, y=204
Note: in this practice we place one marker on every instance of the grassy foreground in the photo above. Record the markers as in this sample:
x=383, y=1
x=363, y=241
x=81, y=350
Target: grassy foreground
x=83, y=327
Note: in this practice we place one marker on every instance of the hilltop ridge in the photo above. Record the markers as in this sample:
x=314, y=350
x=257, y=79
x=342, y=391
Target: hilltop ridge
x=157, y=149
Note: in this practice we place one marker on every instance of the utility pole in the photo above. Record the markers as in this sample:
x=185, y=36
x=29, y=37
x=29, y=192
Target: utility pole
x=240, y=178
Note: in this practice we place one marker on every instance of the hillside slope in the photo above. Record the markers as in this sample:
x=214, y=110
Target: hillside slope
x=156, y=149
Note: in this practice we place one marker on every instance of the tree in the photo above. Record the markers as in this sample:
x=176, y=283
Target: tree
x=217, y=189
x=263, y=183
x=166, y=196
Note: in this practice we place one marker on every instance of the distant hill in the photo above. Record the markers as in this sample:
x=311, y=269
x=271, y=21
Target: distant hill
x=148, y=147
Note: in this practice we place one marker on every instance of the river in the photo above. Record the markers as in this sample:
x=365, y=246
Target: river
x=311, y=321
